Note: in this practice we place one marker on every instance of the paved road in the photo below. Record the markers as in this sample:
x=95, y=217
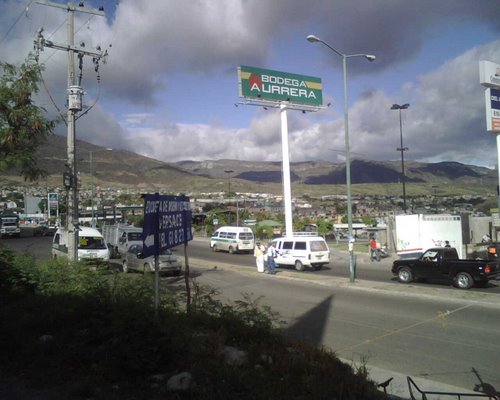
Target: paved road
x=338, y=267
x=437, y=334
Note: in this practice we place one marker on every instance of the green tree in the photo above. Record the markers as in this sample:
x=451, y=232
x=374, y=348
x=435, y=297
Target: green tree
x=264, y=232
x=369, y=221
x=23, y=127
x=324, y=227
x=42, y=205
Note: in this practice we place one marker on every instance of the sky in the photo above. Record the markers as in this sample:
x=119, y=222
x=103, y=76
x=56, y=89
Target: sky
x=169, y=86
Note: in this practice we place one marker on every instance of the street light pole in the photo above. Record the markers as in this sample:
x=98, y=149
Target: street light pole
x=229, y=172
x=92, y=184
x=369, y=57
x=402, y=150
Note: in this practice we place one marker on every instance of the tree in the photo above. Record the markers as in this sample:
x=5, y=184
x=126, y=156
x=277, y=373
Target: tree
x=42, y=204
x=23, y=127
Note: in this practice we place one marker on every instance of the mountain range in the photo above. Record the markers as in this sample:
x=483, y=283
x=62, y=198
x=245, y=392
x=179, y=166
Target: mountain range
x=121, y=168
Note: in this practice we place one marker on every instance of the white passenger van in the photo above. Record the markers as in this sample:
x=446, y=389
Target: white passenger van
x=303, y=249
x=91, y=245
x=233, y=239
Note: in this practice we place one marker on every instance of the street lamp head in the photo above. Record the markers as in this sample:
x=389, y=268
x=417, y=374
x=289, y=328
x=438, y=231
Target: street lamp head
x=370, y=57
x=398, y=107
x=313, y=38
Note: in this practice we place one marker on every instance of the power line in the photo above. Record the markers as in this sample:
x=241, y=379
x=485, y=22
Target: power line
x=24, y=12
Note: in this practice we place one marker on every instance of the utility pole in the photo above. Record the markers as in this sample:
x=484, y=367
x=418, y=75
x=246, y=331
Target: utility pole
x=75, y=93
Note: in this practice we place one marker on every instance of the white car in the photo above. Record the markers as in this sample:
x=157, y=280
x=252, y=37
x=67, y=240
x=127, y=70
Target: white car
x=132, y=260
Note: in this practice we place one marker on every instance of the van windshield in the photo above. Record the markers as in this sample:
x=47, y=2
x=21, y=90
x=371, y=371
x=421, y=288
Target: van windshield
x=92, y=243
x=246, y=235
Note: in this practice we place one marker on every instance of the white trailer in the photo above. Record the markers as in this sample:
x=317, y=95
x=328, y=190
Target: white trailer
x=415, y=233
x=119, y=237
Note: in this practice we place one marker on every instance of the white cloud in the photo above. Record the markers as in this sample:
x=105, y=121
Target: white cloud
x=162, y=48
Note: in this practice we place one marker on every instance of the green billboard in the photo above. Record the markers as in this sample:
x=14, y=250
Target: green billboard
x=264, y=84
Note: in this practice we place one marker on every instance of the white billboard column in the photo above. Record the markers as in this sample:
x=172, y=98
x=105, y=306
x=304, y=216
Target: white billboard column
x=287, y=190
x=498, y=171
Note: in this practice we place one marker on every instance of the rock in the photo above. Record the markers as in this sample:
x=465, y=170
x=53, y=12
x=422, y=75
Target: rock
x=235, y=357
x=182, y=381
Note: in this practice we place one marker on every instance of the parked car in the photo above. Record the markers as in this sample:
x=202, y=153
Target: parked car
x=443, y=263
x=132, y=259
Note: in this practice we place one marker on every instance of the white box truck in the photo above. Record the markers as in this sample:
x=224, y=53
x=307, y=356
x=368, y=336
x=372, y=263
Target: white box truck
x=415, y=233
x=119, y=238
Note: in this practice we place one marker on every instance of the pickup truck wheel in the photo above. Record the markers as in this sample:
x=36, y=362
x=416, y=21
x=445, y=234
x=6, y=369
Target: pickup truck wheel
x=125, y=267
x=405, y=275
x=463, y=280
x=299, y=266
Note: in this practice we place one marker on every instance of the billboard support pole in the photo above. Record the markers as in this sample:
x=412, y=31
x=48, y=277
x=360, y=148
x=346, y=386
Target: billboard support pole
x=287, y=191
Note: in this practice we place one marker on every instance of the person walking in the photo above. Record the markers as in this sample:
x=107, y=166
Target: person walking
x=271, y=253
x=258, y=253
x=374, y=255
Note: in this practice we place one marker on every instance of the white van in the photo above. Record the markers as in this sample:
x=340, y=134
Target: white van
x=91, y=245
x=233, y=239
x=304, y=249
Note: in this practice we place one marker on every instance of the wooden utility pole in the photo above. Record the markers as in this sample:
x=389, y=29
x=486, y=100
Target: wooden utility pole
x=75, y=93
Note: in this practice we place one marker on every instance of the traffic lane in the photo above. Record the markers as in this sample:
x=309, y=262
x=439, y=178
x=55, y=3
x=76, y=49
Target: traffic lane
x=437, y=338
x=39, y=247
x=338, y=267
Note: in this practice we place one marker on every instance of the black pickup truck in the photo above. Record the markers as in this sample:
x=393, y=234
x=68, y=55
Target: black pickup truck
x=442, y=263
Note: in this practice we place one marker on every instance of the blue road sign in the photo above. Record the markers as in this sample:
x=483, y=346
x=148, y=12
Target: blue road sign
x=167, y=223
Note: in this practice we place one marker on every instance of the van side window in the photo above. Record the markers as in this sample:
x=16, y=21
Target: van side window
x=300, y=246
x=287, y=245
x=222, y=234
x=215, y=234
x=231, y=235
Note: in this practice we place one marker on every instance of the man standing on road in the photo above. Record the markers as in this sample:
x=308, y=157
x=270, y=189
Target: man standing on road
x=271, y=253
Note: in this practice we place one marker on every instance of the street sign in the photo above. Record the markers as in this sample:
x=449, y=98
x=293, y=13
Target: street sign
x=167, y=223
x=489, y=74
x=264, y=84
x=492, y=98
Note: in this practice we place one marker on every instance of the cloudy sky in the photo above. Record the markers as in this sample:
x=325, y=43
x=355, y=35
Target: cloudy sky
x=169, y=87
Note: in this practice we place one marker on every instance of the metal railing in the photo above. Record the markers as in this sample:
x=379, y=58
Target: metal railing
x=424, y=394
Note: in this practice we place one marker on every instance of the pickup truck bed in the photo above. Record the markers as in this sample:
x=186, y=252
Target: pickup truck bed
x=442, y=263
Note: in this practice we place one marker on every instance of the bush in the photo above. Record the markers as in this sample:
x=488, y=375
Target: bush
x=80, y=332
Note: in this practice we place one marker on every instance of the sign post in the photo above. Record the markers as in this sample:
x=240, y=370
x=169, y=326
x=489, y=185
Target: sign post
x=268, y=88
x=167, y=224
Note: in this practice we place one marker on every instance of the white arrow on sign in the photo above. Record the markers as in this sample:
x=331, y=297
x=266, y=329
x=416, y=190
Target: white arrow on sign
x=150, y=241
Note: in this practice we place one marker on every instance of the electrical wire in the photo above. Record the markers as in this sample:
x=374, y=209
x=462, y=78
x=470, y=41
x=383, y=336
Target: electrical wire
x=53, y=102
x=97, y=97
x=16, y=21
